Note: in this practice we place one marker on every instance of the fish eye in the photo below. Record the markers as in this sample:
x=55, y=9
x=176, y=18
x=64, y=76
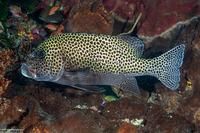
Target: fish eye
x=41, y=54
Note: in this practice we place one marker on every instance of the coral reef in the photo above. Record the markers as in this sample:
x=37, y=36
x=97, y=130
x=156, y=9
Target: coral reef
x=90, y=17
x=184, y=102
x=123, y=10
x=191, y=72
x=51, y=102
x=162, y=15
x=127, y=128
x=159, y=18
x=22, y=113
x=46, y=107
x=6, y=62
x=71, y=121
x=159, y=121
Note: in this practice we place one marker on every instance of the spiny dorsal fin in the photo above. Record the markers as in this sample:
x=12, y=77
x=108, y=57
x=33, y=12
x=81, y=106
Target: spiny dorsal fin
x=134, y=43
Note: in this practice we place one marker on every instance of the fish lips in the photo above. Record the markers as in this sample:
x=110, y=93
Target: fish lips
x=29, y=72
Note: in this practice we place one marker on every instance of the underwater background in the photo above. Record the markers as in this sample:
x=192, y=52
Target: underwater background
x=30, y=106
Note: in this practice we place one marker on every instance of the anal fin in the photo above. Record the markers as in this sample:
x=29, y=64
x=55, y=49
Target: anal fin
x=130, y=84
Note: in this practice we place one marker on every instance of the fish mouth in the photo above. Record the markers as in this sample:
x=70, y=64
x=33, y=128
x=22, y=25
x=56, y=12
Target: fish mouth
x=27, y=71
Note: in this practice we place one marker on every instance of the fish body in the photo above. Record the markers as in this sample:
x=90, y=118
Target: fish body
x=51, y=27
x=16, y=11
x=53, y=10
x=82, y=60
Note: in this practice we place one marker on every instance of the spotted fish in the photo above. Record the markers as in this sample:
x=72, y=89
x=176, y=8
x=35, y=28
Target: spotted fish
x=85, y=60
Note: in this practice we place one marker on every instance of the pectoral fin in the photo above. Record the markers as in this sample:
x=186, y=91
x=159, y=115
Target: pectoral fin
x=89, y=88
x=77, y=73
x=130, y=84
x=78, y=70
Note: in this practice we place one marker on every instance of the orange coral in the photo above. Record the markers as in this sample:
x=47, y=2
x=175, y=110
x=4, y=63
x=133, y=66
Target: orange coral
x=90, y=17
x=127, y=128
x=41, y=129
x=5, y=57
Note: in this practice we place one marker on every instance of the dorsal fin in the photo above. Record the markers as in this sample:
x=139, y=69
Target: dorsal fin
x=134, y=43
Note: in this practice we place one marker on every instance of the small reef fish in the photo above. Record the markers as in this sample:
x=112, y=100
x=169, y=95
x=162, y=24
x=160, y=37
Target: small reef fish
x=51, y=27
x=53, y=10
x=56, y=17
x=16, y=11
x=85, y=60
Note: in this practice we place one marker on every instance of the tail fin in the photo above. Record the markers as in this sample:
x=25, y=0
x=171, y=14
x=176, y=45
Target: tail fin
x=166, y=67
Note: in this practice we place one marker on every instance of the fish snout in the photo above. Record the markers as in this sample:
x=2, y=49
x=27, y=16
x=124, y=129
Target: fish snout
x=27, y=71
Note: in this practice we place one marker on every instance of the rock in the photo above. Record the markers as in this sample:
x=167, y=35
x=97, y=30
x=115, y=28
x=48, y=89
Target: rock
x=22, y=113
x=185, y=101
x=69, y=122
x=157, y=120
x=160, y=18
